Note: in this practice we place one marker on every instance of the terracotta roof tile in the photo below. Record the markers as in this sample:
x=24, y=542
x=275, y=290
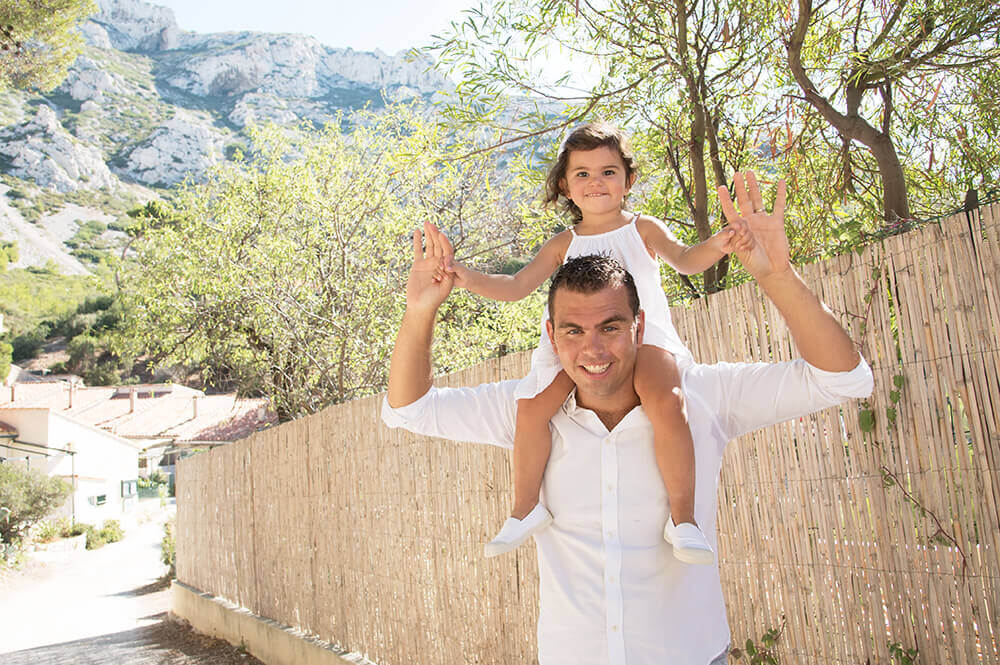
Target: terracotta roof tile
x=167, y=414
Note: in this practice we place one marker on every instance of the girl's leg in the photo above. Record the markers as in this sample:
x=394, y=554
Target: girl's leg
x=658, y=384
x=532, y=445
x=533, y=442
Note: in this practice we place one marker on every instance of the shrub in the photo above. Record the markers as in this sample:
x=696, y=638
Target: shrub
x=76, y=529
x=168, y=548
x=95, y=538
x=50, y=530
x=112, y=531
x=158, y=478
x=26, y=498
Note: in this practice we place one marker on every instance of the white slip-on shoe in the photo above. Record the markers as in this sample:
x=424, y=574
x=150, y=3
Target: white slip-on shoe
x=515, y=531
x=689, y=543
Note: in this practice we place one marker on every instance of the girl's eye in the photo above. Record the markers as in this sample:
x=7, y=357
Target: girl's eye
x=582, y=174
x=609, y=172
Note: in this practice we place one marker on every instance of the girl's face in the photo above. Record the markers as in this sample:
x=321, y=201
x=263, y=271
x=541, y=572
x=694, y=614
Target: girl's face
x=596, y=181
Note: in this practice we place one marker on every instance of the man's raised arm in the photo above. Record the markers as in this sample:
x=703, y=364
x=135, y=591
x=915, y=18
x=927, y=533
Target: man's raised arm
x=410, y=369
x=818, y=335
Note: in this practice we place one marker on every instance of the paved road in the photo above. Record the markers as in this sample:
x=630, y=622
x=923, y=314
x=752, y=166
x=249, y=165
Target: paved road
x=101, y=607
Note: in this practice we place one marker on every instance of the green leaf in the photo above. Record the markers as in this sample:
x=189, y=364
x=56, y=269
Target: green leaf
x=893, y=396
x=750, y=648
x=899, y=380
x=866, y=420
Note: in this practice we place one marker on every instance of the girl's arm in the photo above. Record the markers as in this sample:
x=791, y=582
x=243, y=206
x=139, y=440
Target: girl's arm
x=688, y=260
x=509, y=287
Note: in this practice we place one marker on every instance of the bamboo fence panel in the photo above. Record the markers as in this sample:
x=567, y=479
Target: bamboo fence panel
x=847, y=540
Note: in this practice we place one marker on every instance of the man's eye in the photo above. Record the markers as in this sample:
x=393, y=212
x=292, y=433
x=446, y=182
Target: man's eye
x=610, y=328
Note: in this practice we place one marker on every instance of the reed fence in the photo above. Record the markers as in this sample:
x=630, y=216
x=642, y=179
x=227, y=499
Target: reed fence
x=872, y=524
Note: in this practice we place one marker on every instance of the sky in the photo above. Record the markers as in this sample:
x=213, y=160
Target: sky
x=389, y=25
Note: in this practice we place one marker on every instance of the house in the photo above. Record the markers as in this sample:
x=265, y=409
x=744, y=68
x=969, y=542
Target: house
x=105, y=437
x=100, y=466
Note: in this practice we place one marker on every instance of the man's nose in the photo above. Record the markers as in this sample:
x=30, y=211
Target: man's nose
x=593, y=344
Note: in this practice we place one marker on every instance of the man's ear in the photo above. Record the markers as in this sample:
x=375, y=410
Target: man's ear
x=551, y=330
x=640, y=326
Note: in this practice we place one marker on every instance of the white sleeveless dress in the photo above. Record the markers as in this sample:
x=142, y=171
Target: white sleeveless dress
x=626, y=246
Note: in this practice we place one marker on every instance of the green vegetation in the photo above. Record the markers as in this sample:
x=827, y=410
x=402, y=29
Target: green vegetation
x=26, y=497
x=896, y=122
x=39, y=41
x=168, y=548
x=282, y=275
x=31, y=296
x=8, y=254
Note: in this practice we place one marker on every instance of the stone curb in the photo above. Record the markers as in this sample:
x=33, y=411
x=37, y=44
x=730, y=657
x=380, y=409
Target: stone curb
x=272, y=642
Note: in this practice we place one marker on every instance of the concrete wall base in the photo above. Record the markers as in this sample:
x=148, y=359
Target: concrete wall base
x=271, y=642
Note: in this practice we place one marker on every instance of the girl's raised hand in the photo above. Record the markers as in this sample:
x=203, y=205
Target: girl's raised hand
x=449, y=268
x=423, y=291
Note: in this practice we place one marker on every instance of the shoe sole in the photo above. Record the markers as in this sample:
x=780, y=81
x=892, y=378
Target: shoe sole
x=490, y=550
x=697, y=557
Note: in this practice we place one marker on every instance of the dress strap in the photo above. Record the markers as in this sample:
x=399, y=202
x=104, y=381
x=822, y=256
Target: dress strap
x=635, y=218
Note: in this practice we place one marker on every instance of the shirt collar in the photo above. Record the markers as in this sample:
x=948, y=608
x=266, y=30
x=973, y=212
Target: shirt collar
x=634, y=418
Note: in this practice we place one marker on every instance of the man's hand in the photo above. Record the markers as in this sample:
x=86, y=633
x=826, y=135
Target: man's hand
x=410, y=367
x=768, y=255
x=427, y=287
x=818, y=334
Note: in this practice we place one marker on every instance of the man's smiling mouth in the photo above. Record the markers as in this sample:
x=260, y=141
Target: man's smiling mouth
x=596, y=369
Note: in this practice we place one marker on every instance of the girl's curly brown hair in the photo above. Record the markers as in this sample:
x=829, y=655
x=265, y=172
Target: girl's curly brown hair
x=586, y=137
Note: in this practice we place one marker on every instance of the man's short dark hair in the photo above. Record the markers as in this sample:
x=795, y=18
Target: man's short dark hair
x=592, y=273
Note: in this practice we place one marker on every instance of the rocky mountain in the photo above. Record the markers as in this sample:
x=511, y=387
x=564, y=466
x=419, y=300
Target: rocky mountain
x=148, y=105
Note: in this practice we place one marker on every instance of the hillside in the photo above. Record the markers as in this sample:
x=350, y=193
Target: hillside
x=148, y=105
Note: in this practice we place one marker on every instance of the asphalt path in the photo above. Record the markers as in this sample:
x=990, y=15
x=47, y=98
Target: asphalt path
x=101, y=607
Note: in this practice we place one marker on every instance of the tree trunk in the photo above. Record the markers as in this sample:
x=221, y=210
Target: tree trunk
x=851, y=125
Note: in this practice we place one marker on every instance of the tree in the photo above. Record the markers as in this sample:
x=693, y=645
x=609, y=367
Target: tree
x=27, y=497
x=676, y=72
x=39, y=41
x=6, y=360
x=282, y=274
x=877, y=60
x=705, y=87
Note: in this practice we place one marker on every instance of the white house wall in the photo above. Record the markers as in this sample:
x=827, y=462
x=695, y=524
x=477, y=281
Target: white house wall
x=102, y=460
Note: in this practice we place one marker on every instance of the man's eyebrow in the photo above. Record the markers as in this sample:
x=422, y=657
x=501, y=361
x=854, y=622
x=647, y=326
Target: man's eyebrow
x=617, y=318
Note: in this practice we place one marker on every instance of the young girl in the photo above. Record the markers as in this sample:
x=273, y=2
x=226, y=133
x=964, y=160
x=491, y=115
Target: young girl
x=591, y=177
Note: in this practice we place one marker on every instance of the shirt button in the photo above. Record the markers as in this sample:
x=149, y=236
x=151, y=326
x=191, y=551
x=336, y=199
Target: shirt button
x=614, y=629
x=607, y=440
x=611, y=488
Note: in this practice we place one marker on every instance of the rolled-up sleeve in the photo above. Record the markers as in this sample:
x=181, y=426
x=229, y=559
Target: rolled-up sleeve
x=746, y=397
x=482, y=414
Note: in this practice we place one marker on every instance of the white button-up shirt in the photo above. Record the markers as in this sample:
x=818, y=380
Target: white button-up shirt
x=611, y=593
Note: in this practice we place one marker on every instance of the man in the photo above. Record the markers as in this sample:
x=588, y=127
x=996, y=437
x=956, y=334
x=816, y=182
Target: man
x=610, y=592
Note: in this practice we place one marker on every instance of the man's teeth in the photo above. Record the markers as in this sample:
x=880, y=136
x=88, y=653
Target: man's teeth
x=596, y=369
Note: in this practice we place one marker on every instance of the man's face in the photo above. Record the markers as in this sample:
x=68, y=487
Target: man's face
x=597, y=338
